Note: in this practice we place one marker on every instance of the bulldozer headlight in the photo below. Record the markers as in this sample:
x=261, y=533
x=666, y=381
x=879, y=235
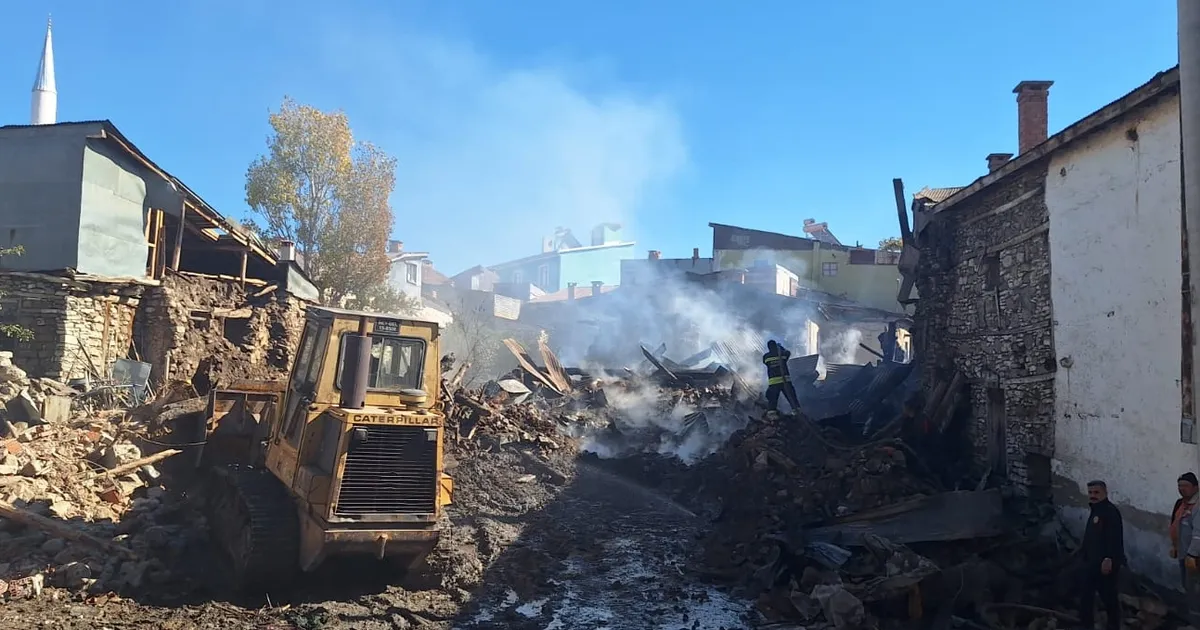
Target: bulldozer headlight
x=358, y=437
x=430, y=435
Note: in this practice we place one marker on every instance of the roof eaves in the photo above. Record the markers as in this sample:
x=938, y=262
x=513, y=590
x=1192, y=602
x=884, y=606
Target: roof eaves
x=109, y=131
x=1144, y=93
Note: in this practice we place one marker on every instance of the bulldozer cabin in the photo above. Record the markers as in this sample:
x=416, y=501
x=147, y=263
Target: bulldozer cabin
x=345, y=458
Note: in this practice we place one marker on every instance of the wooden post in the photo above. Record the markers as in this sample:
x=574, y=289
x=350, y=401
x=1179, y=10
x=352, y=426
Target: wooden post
x=245, y=258
x=179, y=236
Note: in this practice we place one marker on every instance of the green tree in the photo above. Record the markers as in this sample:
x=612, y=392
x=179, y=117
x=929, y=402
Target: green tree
x=329, y=194
x=891, y=244
x=384, y=298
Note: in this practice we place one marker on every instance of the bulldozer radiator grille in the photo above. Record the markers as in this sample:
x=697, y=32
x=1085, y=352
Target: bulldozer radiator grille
x=392, y=471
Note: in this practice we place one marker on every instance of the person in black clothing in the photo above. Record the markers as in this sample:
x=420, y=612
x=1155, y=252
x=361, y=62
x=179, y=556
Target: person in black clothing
x=1103, y=556
x=779, y=379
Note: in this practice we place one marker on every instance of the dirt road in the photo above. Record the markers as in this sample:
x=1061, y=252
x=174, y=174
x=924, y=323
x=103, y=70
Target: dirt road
x=604, y=554
x=529, y=546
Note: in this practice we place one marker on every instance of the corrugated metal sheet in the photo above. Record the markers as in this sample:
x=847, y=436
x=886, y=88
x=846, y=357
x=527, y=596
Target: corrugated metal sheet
x=742, y=349
x=858, y=393
x=507, y=308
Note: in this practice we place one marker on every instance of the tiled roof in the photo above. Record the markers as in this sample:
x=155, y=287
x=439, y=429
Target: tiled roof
x=936, y=195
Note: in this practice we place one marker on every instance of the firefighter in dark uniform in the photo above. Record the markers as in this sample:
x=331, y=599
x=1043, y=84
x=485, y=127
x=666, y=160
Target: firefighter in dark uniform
x=779, y=381
x=1103, y=554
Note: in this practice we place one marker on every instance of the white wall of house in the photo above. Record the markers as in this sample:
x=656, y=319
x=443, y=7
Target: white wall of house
x=405, y=276
x=1114, y=207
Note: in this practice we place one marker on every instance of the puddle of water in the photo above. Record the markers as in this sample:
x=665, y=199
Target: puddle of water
x=532, y=609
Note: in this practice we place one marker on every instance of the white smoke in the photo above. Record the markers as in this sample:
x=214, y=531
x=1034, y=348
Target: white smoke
x=645, y=418
x=724, y=324
x=842, y=347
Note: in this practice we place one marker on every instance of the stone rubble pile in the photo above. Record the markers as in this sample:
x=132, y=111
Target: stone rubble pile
x=82, y=504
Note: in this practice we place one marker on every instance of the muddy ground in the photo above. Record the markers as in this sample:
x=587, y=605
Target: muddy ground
x=533, y=541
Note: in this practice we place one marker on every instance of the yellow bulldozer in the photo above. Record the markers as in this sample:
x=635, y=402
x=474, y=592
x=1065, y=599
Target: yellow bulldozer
x=345, y=458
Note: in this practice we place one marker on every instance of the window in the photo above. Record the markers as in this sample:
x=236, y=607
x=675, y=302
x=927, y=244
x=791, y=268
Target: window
x=518, y=277
x=410, y=272
x=991, y=267
x=543, y=278
x=304, y=379
x=828, y=269
x=396, y=363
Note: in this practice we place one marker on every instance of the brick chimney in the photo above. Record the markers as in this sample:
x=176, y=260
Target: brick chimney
x=596, y=284
x=571, y=290
x=655, y=254
x=1033, y=118
x=395, y=247
x=695, y=254
x=996, y=160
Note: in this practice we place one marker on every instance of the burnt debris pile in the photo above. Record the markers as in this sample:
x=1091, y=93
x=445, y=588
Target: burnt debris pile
x=861, y=510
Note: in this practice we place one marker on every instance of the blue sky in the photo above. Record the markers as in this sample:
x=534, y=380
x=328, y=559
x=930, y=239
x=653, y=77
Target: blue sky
x=510, y=118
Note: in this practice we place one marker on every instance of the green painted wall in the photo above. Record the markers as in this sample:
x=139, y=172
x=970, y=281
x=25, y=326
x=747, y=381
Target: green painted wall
x=112, y=239
x=870, y=285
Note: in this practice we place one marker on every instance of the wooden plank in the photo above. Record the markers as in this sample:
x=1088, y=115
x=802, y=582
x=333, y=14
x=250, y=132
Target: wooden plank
x=941, y=517
x=179, y=237
x=554, y=369
x=526, y=362
x=61, y=530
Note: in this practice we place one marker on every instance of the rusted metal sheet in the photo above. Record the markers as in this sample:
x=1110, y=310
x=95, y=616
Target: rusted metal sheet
x=527, y=364
x=941, y=517
x=554, y=369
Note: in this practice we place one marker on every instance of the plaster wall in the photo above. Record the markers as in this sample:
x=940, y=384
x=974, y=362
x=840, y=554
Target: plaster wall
x=1114, y=208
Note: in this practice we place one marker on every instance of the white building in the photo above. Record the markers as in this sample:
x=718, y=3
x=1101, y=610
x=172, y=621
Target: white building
x=1054, y=284
x=1114, y=202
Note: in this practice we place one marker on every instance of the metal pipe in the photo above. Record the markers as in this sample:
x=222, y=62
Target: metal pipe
x=1189, y=115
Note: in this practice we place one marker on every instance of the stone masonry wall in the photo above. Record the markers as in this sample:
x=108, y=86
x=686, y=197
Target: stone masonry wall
x=79, y=327
x=985, y=309
x=210, y=332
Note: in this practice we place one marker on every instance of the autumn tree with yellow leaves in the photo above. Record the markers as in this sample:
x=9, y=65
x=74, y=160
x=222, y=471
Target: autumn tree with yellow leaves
x=329, y=194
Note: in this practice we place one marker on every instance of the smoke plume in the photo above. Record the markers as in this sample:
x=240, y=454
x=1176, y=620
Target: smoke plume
x=696, y=326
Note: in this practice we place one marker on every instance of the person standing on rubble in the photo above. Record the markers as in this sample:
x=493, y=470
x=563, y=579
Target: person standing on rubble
x=1103, y=554
x=779, y=379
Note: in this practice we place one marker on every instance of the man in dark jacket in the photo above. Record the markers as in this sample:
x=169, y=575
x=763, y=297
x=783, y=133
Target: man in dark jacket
x=1103, y=556
x=779, y=379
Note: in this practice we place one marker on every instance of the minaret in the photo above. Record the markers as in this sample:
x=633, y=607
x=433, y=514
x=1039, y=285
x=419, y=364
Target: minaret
x=44, y=109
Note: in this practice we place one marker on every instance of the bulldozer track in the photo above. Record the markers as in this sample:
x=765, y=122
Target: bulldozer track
x=254, y=521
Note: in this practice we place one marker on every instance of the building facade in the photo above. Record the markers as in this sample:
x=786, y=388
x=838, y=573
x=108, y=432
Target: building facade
x=867, y=276
x=407, y=269
x=565, y=261
x=655, y=268
x=1053, y=284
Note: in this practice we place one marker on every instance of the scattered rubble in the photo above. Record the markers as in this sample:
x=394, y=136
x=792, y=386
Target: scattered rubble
x=804, y=521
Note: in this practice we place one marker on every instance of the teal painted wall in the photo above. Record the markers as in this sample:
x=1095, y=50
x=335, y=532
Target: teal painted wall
x=589, y=265
x=530, y=271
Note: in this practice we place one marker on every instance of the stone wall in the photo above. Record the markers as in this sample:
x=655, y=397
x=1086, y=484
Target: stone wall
x=79, y=325
x=985, y=309
x=209, y=332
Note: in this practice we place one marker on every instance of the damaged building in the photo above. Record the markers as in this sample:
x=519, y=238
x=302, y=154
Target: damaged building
x=1050, y=288
x=122, y=260
x=817, y=261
